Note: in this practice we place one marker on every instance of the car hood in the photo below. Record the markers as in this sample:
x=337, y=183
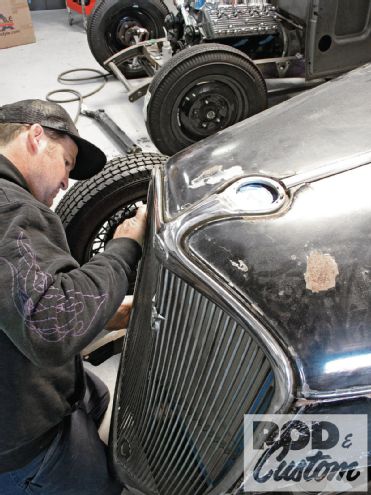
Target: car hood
x=303, y=269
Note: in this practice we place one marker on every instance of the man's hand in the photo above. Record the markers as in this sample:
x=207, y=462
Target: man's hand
x=133, y=228
x=121, y=318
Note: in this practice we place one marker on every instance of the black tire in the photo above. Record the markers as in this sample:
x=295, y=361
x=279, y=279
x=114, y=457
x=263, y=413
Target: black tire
x=106, y=27
x=200, y=91
x=91, y=209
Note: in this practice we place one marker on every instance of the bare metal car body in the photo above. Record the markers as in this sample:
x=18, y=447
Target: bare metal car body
x=254, y=290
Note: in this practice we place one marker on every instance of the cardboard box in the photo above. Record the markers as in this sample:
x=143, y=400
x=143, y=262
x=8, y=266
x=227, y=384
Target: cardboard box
x=15, y=23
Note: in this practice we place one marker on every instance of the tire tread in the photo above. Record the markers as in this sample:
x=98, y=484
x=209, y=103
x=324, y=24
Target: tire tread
x=132, y=168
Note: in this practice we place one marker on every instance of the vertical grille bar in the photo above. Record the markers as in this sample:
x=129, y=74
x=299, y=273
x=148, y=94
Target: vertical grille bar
x=223, y=365
x=152, y=448
x=212, y=438
x=134, y=341
x=151, y=379
x=177, y=445
x=165, y=446
x=228, y=427
x=144, y=396
x=190, y=374
x=134, y=360
x=178, y=373
x=160, y=370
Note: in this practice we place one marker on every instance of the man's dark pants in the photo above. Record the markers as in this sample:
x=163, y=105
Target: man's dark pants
x=76, y=462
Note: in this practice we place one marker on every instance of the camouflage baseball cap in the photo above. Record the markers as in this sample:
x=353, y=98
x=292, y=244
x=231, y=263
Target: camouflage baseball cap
x=89, y=161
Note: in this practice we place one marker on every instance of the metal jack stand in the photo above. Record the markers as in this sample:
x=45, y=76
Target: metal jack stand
x=147, y=53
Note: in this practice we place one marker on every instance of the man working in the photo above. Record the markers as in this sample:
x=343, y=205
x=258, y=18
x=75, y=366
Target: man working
x=51, y=308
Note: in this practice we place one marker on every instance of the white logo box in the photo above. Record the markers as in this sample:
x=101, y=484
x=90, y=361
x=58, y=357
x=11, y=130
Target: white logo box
x=310, y=452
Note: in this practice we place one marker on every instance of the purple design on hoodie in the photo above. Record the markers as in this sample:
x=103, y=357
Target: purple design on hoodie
x=57, y=313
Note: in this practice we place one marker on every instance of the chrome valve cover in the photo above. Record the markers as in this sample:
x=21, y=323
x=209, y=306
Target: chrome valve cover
x=222, y=20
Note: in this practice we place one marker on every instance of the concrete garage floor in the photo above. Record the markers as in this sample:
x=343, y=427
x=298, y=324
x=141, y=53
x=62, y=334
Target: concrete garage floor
x=31, y=71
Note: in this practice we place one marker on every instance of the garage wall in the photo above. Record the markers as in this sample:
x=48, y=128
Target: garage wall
x=46, y=4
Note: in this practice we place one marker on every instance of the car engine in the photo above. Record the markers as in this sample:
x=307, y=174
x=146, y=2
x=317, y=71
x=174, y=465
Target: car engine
x=208, y=20
x=221, y=19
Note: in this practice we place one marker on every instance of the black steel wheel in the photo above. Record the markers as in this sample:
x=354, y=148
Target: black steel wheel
x=200, y=91
x=112, y=26
x=92, y=209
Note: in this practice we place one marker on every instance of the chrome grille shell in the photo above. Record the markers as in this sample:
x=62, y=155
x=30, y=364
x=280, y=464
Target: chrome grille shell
x=190, y=370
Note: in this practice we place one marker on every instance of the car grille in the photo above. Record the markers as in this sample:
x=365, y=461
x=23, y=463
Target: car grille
x=189, y=374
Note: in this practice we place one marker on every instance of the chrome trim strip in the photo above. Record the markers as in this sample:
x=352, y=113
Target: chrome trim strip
x=332, y=168
x=337, y=394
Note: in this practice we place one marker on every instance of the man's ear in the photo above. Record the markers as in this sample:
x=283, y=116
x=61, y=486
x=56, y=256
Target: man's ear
x=36, y=138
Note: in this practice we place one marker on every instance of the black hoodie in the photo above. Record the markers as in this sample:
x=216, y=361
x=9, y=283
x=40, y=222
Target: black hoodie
x=50, y=309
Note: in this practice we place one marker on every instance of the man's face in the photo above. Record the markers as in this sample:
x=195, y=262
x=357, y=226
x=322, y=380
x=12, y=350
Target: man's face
x=51, y=171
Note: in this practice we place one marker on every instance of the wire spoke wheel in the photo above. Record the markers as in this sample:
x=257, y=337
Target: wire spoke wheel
x=105, y=232
x=92, y=209
x=200, y=91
